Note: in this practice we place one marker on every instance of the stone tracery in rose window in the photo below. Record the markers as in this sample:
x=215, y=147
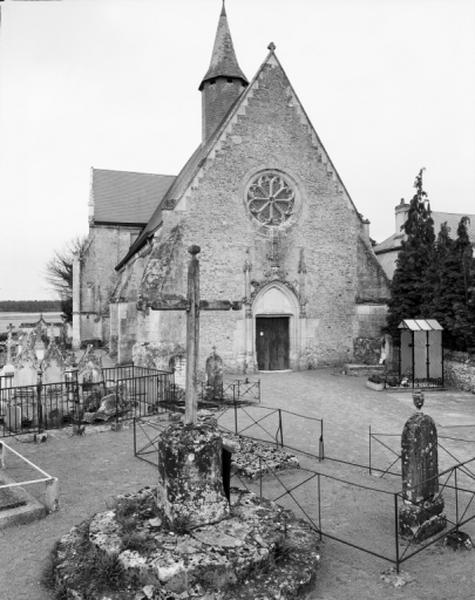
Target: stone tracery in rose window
x=270, y=199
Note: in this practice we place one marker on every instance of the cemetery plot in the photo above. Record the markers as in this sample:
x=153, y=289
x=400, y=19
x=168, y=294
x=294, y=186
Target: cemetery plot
x=271, y=424
x=118, y=394
x=26, y=491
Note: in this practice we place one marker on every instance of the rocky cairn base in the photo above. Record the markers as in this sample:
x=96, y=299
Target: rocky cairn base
x=258, y=551
x=185, y=539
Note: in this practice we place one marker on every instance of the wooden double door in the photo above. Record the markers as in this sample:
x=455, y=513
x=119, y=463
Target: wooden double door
x=272, y=343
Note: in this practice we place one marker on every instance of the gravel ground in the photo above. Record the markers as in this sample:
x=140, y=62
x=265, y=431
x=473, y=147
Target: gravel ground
x=94, y=468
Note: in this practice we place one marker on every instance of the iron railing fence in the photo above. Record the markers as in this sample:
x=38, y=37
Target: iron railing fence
x=237, y=390
x=324, y=494
x=128, y=371
x=35, y=408
x=383, y=446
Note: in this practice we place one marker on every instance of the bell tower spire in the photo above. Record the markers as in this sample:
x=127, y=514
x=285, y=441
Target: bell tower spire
x=224, y=81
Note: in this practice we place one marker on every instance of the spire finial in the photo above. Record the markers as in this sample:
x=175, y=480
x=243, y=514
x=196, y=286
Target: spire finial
x=223, y=58
x=271, y=46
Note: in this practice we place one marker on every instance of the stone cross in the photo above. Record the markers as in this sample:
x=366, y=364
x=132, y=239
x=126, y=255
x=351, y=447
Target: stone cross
x=192, y=336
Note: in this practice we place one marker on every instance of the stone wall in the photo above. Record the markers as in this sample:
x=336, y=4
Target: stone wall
x=459, y=370
x=107, y=245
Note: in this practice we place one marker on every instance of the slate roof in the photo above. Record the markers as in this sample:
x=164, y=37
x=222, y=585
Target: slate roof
x=127, y=197
x=223, y=58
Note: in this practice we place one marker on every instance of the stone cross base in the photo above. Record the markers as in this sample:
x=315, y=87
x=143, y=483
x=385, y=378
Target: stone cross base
x=422, y=520
x=190, y=483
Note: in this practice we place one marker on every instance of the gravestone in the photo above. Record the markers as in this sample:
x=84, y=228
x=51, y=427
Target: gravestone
x=214, y=376
x=420, y=515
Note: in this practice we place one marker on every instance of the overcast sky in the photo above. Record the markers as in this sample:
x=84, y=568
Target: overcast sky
x=389, y=86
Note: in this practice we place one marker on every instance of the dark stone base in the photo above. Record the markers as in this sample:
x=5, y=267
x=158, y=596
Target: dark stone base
x=190, y=478
x=421, y=521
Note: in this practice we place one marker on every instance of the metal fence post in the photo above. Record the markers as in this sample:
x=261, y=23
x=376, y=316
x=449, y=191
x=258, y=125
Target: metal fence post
x=369, y=450
x=321, y=444
x=396, y=531
x=280, y=429
x=235, y=410
x=319, y=493
x=456, y=500
x=2, y=455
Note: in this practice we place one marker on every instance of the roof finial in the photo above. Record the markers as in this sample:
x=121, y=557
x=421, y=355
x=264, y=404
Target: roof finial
x=223, y=10
x=271, y=46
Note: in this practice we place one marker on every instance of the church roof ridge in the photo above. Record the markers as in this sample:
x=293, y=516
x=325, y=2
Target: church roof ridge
x=223, y=62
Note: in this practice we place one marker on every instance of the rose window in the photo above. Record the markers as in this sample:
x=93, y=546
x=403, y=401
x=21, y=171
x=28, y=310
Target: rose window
x=270, y=199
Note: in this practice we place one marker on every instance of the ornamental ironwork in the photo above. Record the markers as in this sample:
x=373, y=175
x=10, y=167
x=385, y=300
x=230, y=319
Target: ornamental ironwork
x=270, y=199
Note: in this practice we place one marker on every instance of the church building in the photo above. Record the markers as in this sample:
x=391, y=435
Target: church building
x=289, y=279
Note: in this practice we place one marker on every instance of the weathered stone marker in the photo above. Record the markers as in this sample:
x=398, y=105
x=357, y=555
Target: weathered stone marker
x=214, y=376
x=420, y=515
x=190, y=491
x=192, y=335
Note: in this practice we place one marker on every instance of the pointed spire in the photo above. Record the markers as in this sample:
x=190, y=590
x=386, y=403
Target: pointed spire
x=223, y=58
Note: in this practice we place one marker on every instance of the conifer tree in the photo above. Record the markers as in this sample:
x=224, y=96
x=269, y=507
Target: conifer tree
x=462, y=322
x=410, y=285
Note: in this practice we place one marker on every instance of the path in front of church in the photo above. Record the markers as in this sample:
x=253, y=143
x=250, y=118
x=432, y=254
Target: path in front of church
x=92, y=469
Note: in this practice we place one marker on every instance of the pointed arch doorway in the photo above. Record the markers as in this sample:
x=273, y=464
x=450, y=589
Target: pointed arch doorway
x=275, y=311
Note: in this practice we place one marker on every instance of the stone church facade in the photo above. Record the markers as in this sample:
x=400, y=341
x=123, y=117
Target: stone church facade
x=289, y=279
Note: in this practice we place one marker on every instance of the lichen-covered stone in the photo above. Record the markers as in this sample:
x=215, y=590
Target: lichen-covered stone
x=253, y=459
x=259, y=551
x=190, y=488
x=420, y=477
x=420, y=515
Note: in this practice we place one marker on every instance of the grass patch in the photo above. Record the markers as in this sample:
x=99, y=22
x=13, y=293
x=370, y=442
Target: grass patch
x=86, y=569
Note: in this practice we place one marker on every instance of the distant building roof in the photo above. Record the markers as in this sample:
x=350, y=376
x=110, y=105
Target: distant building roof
x=393, y=242
x=126, y=197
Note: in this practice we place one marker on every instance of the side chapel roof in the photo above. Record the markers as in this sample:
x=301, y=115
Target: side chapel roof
x=126, y=197
x=198, y=158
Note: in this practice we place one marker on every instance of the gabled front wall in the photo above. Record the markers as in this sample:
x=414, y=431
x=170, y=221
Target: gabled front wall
x=315, y=258
x=272, y=134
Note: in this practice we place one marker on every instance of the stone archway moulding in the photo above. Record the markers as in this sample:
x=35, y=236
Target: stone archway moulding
x=276, y=299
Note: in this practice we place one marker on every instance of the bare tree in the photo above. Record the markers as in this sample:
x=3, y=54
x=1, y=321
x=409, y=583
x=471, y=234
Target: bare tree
x=59, y=273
